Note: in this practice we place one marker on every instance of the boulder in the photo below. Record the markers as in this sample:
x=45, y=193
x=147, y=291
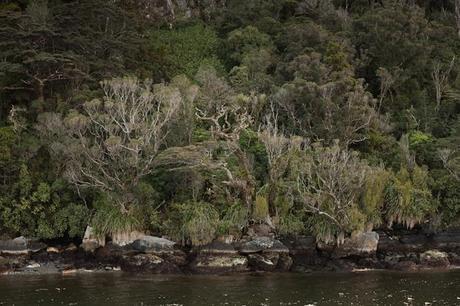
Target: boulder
x=20, y=246
x=219, y=264
x=218, y=257
x=361, y=244
x=285, y=263
x=150, y=263
x=263, y=262
x=142, y=260
x=263, y=244
x=216, y=247
x=303, y=251
x=90, y=241
x=154, y=245
x=302, y=245
x=434, y=258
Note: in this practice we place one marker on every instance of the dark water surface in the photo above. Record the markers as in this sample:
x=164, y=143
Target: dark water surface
x=363, y=288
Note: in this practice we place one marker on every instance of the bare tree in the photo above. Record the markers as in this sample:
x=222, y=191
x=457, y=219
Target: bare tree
x=227, y=123
x=227, y=115
x=450, y=163
x=440, y=79
x=277, y=146
x=387, y=80
x=114, y=144
x=329, y=185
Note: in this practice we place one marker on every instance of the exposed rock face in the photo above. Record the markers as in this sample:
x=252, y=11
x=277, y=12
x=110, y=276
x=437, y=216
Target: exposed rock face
x=217, y=247
x=398, y=251
x=90, y=241
x=218, y=257
x=266, y=244
x=418, y=243
x=148, y=254
x=171, y=10
x=220, y=264
x=150, y=263
x=449, y=240
x=260, y=262
x=434, y=258
x=362, y=244
x=266, y=254
x=303, y=251
x=20, y=246
x=151, y=244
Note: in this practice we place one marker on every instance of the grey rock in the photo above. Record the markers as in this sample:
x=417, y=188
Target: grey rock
x=219, y=264
x=152, y=244
x=285, y=263
x=143, y=260
x=217, y=248
x=262, y=262
x=263, y=244
x=20, y=246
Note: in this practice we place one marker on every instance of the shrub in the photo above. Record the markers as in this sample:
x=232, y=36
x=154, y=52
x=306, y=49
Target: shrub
x=260, y=212
x=235, y=219
x=41, y=210
x=192, y=223
x=408, y=198
x=185, y=49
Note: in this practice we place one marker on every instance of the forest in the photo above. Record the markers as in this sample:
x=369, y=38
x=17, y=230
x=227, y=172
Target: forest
x=195, y=119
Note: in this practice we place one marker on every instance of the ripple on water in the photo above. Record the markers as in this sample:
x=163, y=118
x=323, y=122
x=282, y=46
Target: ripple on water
x=367, y=288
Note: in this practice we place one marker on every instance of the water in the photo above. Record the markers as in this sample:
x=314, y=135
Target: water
x=364, y=288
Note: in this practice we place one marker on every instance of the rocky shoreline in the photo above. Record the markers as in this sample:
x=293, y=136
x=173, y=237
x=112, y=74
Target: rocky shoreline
x=149, y=254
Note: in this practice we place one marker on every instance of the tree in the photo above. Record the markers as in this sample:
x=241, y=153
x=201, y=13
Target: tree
x=408, y=199
x=451, y=162
x=31, y=61
x=227, y=116
x=277, y=146
x=113, y=144
x=322, y=103
x=330, y=185
x=183, y=50
x=441, y=80
x=227, y=119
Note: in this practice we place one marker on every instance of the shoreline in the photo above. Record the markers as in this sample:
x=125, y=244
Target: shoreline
x=80, y=272
x=301, y=254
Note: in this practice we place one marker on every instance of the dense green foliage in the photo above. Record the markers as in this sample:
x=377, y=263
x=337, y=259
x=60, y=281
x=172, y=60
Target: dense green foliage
x=309, y=117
